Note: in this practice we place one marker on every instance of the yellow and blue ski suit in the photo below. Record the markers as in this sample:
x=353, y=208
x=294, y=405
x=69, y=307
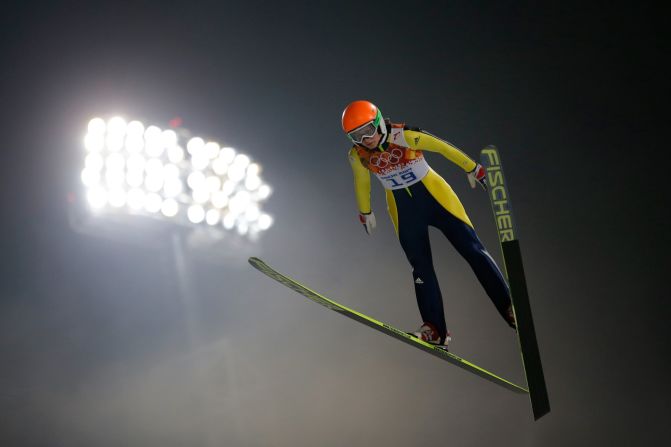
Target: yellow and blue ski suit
x=417, y=197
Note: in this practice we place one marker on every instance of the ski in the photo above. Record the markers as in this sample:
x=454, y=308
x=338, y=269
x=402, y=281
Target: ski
x=441, y=353
x=512, y=260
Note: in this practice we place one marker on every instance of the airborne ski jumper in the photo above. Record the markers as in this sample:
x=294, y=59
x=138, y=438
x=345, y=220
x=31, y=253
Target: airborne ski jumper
x=417, y=197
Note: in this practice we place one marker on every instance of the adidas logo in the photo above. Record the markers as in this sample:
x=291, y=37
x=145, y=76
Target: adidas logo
x=419, y=281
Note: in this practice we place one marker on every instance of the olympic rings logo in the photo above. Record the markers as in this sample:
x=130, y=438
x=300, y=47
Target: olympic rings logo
x=385, y=159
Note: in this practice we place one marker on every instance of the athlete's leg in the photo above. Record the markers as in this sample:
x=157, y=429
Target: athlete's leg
x=466, y=242
x=413, y=233
x=448, y=215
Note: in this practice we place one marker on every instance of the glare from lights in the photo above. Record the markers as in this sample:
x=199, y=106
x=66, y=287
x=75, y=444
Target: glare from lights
x=134, y=178
x=243, y=227
x=211, y=150
x=135, y=199
x=153, y=202
x=170, y=208
x=200, y=195
x=212, y=217
x=134, y=137
x=90, y=177
x=117, y=197
x=264, y=192
x=135, y=129
x=241, y=160
x=195, y=145
x=175, y=154
x=228, y=187
x=97, y=126
x=154, y=167
x=227, y=154
x=236, y=172
x=219, y=199
x=134, y=144
x=172, y=187
x=153, y=182
x=196, y=213
x=170, y=171
x=115, y=178
x=253, y=213
x=153, y=141
x=115, y=162
x=142, y=169
x=97, y=197
x=229, y=221
x=94, y=142
x=265, y=221
x=94, y=161
x=169, y=138
x=153, y=134
x=116, y=127
x=219, y=166
x=213, y=183
x=252, y=182
x=135, y=162
x=196, y=180
x=200, y=161
x=239, y=203
x=114, y=142
x=253, y=169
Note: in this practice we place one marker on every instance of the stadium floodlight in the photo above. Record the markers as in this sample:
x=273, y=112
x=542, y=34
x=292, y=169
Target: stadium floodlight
x=170, y=208
x=211, y=150
x=175, y=154
x=153, y=203
x=138, y=169
x=97, y=197
x=229, y=221
x=264, y=192
x=265, y=221
x=212, y=217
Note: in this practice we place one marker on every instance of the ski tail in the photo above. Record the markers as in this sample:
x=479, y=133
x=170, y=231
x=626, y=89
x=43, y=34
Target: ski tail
x=531, y=358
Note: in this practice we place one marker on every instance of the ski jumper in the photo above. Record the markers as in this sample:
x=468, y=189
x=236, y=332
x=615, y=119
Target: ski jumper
x=417, y=197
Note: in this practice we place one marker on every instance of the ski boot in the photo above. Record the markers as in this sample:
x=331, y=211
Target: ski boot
x=428, y=333
x=509, y=316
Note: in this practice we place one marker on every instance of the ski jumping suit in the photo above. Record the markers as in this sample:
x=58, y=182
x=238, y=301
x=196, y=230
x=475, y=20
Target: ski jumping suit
x=418, y=197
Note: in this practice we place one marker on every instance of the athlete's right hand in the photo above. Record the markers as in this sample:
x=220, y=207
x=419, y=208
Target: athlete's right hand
x=368, y=221
x=478, y=175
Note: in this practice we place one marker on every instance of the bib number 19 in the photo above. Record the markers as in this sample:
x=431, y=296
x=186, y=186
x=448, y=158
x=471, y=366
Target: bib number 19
x=408, y=177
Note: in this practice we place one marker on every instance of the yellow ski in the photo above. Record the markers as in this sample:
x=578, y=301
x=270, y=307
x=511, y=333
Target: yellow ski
x=384, y=328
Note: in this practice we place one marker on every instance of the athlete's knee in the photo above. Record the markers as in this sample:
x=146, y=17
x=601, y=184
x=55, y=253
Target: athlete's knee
x=422, y=267
x=476, y=255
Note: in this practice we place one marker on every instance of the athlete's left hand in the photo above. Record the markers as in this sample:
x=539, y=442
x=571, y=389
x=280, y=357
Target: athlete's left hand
x=478, y=175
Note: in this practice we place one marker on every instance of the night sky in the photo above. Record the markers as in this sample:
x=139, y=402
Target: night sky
x=103, y=343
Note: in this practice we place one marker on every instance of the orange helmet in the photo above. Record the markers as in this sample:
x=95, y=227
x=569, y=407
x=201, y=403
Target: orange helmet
x=361, y=119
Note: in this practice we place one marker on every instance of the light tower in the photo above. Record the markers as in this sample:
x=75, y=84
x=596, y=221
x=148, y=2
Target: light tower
x=133, y=171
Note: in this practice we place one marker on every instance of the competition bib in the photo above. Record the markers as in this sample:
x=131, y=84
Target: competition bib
x=395, y=172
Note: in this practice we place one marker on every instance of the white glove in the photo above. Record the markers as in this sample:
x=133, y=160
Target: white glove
x=478, y=175
x=368, y=221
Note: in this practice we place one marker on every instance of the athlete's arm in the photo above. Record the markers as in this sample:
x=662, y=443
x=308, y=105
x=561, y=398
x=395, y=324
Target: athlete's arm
x=422, y=140
x=361, y=182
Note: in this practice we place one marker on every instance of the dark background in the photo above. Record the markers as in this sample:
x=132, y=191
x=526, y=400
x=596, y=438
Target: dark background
x=100, y=344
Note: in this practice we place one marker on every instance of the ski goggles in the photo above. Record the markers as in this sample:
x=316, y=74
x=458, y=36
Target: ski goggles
x=366, y=131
